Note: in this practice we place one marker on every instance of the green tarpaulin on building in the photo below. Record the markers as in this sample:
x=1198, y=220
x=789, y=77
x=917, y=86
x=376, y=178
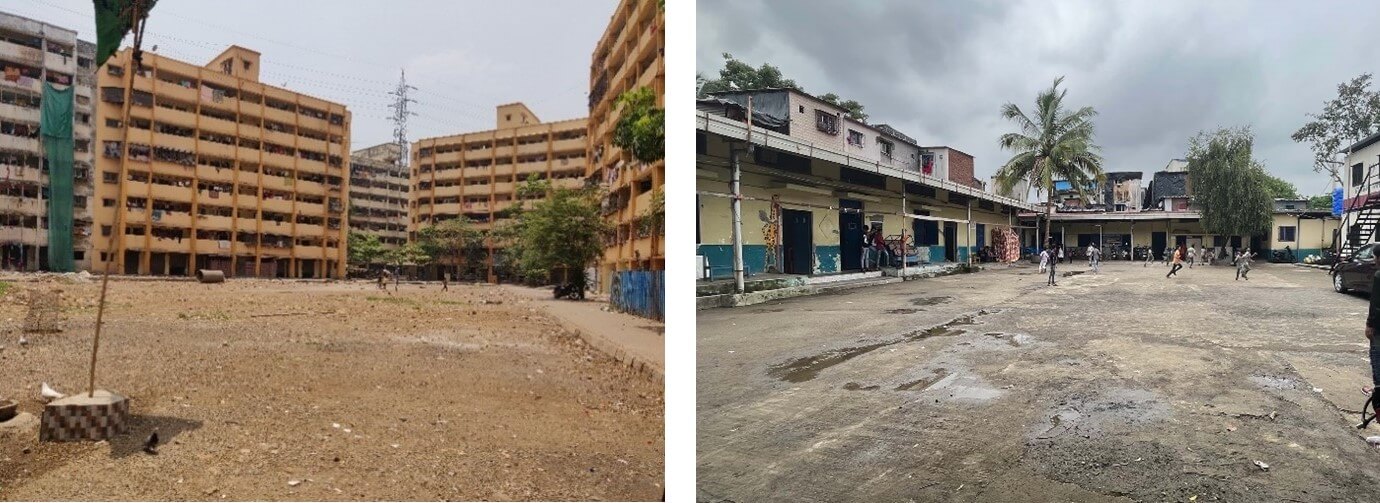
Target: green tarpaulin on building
x=55, y=127
x=113, y=22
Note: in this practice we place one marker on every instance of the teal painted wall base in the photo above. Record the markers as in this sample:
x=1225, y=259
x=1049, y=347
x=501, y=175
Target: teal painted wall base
x=720, y=259
x=826, y=259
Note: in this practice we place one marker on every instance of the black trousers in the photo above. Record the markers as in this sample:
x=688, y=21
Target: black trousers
x=1174, y=270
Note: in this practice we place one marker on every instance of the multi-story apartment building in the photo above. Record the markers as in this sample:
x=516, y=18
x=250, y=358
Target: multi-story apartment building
x=475, y=175
x=631, y=54
x=32, y=53
x=214, y=169
x=379, y=195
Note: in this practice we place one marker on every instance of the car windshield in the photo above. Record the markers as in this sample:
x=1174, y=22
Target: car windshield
x=1366, y=253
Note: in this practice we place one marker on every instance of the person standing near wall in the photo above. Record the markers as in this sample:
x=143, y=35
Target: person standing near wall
x=1192, y=256
x=1054, y=252
x=1095, y=257
x=1044, y=258
x=1178, y=261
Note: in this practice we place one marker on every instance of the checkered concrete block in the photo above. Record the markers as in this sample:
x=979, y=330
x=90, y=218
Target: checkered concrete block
x=81, y=417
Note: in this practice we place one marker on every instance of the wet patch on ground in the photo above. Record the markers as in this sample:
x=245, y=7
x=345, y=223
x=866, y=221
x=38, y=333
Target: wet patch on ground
x=809, y=367
x=903, y=311
x=852, y=386
x=930, y=301
x=1275, y=382
x=1072, y=273
x=1016, y=340
x=1112, y=411
x=924, y=383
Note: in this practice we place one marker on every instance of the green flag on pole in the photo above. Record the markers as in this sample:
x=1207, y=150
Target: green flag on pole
x=114, y=19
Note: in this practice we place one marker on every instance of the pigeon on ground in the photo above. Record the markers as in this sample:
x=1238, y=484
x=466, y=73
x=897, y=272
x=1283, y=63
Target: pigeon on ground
x=48, y=393
x=151, y=445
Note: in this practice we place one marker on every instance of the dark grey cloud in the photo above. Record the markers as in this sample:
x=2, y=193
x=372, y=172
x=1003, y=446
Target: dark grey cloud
x=1157, y=72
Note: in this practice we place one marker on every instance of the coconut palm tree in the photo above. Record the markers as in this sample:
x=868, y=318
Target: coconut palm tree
x=1054, y=145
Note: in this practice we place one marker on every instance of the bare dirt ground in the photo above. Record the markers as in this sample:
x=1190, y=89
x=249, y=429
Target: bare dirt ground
x=351, y=393
x=1119, y=386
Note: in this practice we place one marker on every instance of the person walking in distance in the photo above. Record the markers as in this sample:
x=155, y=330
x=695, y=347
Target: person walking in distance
x=1094, y=257
x=1054, y=253
x=1059, y=249
x=1178, y=262
x=883, y=253
x=1044, y=258
x=1243, y=264
x=1192, y=256
x=866, y=248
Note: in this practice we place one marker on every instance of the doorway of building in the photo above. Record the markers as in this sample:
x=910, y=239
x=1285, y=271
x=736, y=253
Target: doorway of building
x=950, y=242
x=850, y=235
x=1158, y=242
x=797, y=240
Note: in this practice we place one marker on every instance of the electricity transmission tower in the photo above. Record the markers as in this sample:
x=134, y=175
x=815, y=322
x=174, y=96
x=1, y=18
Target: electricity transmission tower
x=400, y=115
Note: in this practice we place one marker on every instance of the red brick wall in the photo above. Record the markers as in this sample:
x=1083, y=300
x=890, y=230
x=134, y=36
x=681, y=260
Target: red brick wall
x=961, y=169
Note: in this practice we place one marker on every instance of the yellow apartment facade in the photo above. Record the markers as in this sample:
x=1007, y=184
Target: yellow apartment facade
x=631, y=54
x=475, y=175
x=216, y=170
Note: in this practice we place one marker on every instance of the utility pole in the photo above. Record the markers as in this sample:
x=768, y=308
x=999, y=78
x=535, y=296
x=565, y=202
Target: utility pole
x=737, y=202
x=400, y=115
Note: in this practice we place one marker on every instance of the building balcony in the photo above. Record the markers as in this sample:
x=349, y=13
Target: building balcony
x=26, y=235
x=218, y=126
x=313, y=252
x=214, y=222
x=277, y=205
x=170, y=193
x=533, y=148
x=312, y=123
x=282, y=116
x=310, y=230
x=311, y=209
x=136, y=189
x=314, y=166
x=447, y=209
x=216, y=149
x=503, y=188
x=22, y=53
x=446, y=157
x=504, y=152
x=9, y=142
x=23, y=205
x=476, y=190
x=247, y=201
x=175, y=117
x=278, y=160
x=20, y=113
x=571, y=145
x=167, y=218
x=310, y=187
x=177, y=92
x=212, y=247
x=279, y=137
x=212, y=173
x=526, y=168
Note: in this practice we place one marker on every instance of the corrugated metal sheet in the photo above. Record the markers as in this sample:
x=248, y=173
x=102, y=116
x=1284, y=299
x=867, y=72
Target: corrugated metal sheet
x=642, y=293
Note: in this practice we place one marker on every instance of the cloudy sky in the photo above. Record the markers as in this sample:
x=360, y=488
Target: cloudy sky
x=1157, y=72
x=465, y=57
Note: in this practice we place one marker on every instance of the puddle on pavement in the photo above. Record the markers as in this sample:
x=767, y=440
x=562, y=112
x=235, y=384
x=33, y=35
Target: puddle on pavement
x=930, y=301
x=809, y=367
x=852, y=386
x=1072, y=273
x=903, y=311
x=769, y=310
x=924, y=384
x=1012, y=339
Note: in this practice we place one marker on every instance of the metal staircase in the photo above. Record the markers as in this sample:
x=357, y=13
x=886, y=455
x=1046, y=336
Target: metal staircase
x=1361, y=215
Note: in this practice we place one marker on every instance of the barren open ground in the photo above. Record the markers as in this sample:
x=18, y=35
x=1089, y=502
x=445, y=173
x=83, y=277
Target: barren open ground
x=350, y=393
x=1118, y=386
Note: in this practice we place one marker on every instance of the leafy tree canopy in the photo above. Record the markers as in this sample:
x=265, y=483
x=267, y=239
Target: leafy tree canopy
x=1230, y=188
x=1054, y=144
x=1354, y=114
x=1323, y=202
x=364, y=248
x=1280, y=189
x=564, y=230
x=455, y=241
x=641, y=128
x=744, y=76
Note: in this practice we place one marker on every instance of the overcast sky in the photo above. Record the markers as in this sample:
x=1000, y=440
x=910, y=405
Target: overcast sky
x=465, y=57
x=1157, y=72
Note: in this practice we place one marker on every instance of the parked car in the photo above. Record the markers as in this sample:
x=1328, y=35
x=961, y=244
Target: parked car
x=1357, y=273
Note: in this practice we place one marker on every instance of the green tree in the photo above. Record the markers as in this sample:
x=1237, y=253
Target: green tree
x=740, y=75
x=563, y=231
x=1056, y=145
x=1230, y=188
x=641, y=128
x=853, y=108
x=364, y=249
x=1322, y=202
x=405, y=255
x=1280, y=189
x=1354, y=114
x=453, y=242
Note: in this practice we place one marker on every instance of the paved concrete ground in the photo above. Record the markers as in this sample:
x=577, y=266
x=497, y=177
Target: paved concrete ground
x=1119, y=386
x=632, y=340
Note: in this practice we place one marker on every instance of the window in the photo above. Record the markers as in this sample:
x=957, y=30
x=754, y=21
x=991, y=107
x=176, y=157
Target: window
x=115, y=70
x=78, y=255
x=886, y=148
x=827, y=122
x=855, y=138
x=108, y=203
x=1286, y=233
x=105, y=231
x=227, y=66
x=1358, y=173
